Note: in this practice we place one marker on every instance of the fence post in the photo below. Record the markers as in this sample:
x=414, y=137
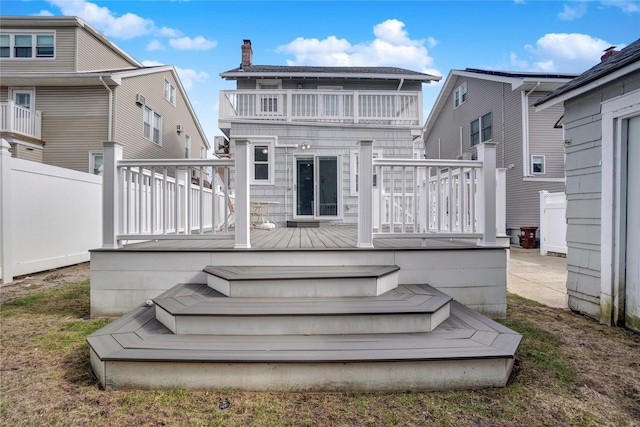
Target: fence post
x=242, y=194
x=501, y=201
x=487, y=189
x=543, y=228
x=11, y=116
x=6, y=244
x=111, y=194
x=365, y=195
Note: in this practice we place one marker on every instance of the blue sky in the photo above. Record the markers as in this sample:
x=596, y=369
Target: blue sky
x=202, y=38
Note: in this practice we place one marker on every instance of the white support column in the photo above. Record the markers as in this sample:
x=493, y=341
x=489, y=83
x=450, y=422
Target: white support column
x=487, y=189
x=501, y=201
x=6, y=243
x=365, y=195
x=242, y=194
x=111, y=191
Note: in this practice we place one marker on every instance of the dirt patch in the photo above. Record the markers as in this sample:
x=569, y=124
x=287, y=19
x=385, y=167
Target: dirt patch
x=25, y=285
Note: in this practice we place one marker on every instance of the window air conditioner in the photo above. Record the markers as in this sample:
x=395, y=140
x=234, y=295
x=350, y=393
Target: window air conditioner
x=140, y=100
x=179, y=128
x=221, y=145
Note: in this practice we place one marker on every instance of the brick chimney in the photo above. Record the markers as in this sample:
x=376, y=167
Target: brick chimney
x=247, y=54
x=610, y=51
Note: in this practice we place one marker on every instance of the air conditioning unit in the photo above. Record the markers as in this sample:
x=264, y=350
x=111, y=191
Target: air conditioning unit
x=140, y=100
x=221, y=145
x=179, y=128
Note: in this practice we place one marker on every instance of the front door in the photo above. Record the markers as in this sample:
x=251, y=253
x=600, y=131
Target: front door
x=317, y=190
x=632, y=297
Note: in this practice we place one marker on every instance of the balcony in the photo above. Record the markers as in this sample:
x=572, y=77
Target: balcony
x=341, y=107
x=19, y=121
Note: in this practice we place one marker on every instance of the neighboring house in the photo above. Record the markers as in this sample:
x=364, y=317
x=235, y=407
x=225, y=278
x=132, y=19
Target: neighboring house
x=303, y=124
x=65, y=89
x=476, y=106
x=602, y=131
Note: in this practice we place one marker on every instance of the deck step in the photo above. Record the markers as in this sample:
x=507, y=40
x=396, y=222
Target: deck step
x=198, y=309
x=302, y=281
x=466, y=351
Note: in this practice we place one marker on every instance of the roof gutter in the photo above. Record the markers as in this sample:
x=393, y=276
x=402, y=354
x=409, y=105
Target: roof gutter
x=525, y=130
x=110, y=119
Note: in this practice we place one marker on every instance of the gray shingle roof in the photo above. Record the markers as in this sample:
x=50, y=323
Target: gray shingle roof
x=315, y=71
x=521, y=74
x=626, y=56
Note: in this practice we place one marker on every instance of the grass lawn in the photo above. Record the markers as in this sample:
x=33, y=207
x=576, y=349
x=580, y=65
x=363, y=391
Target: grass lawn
x=569, y=371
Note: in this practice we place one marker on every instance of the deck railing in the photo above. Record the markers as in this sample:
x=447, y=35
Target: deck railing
x=323, y=106
x=156, y=199
x=20, y=120
x=164, y=199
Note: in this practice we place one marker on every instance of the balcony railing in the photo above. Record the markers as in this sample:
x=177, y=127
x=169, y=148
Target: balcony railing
x=391, y=108
x=19, y=120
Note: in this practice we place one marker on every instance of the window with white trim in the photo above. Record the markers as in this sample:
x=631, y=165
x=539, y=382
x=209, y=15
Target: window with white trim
x=169, y=92
x=203, y=153
x=481, y=129
x=96, y=162
x=187, y=146
x=537, y=164
x=269, y=103
x=262, y=159
x=27, y=45
x=460, y=95
x=152, y=126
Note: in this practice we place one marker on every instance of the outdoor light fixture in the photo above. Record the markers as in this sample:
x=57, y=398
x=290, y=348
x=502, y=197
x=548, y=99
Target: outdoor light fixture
x=305, y=146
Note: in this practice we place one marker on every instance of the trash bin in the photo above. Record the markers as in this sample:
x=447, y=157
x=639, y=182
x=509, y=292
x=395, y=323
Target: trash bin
x=528, y=237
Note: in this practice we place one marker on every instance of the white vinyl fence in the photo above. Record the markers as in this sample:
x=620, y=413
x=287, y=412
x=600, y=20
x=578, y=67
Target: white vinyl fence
x=553, y=223
x=50, y=217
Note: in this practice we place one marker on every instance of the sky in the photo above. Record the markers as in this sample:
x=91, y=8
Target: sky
x=202, y=38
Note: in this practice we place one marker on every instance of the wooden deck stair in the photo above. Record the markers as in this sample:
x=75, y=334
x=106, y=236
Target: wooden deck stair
x=411, y=337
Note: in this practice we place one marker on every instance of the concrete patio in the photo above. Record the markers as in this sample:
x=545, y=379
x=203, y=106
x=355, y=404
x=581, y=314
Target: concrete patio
x=539, y=278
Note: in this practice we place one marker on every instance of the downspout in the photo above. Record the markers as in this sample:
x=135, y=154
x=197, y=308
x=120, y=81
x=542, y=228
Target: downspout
x=502, y=127
x=110, y=119
x=525, y=130
x=401, y=84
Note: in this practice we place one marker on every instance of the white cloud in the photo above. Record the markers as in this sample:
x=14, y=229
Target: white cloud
x=151, y=63
x=391, y=47
x=168, y=32
x=187, y=43
x=155, y=45
x=43, y=13
x=561, y=53
x=577, y=10
x=188, y=77
x=624, y=5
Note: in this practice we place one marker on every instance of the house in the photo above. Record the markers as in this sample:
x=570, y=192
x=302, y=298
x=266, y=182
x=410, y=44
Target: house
x=66, y=88
x=602, y=132
x=398, y=297
x=303, y=123
x=480, y=105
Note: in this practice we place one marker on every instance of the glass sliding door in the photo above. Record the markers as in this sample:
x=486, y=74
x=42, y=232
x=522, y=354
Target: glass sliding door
x=317, y=187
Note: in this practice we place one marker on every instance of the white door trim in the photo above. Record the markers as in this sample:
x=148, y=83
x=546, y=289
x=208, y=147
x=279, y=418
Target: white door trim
x=613, y=204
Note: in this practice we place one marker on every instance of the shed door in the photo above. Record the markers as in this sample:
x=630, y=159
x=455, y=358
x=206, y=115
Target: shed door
x=632, y=297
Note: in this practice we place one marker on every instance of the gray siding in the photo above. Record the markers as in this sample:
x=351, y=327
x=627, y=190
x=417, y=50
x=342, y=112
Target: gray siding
x=64, y=54
x=583, y=169
x=324, y=140
x=94, y=55
x=505, y=104
x=74, y=122
x=129, y=119
x=26, y=153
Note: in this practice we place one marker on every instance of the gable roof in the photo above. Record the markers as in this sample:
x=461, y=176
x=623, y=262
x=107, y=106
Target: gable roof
x=617, y=65
x=283, y=71
x=519, y=81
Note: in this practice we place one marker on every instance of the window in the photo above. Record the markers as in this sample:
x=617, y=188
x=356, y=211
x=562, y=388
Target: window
x=354, y=164
x=96, y=160
x=537, y=164
x=203, y=153
x=187, y=147
x=152, y=125
x=481, y=129
x=262, y=161
x=24, y=45
x=269, y=103
x=460, y=95
x=169, y=92
x=5, y=46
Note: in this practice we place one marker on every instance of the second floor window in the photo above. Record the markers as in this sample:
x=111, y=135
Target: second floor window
x=27, y=46
x=152, y=125
x=169, y=92
x=481, y=129
x=187, y=147
x=460, y=95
